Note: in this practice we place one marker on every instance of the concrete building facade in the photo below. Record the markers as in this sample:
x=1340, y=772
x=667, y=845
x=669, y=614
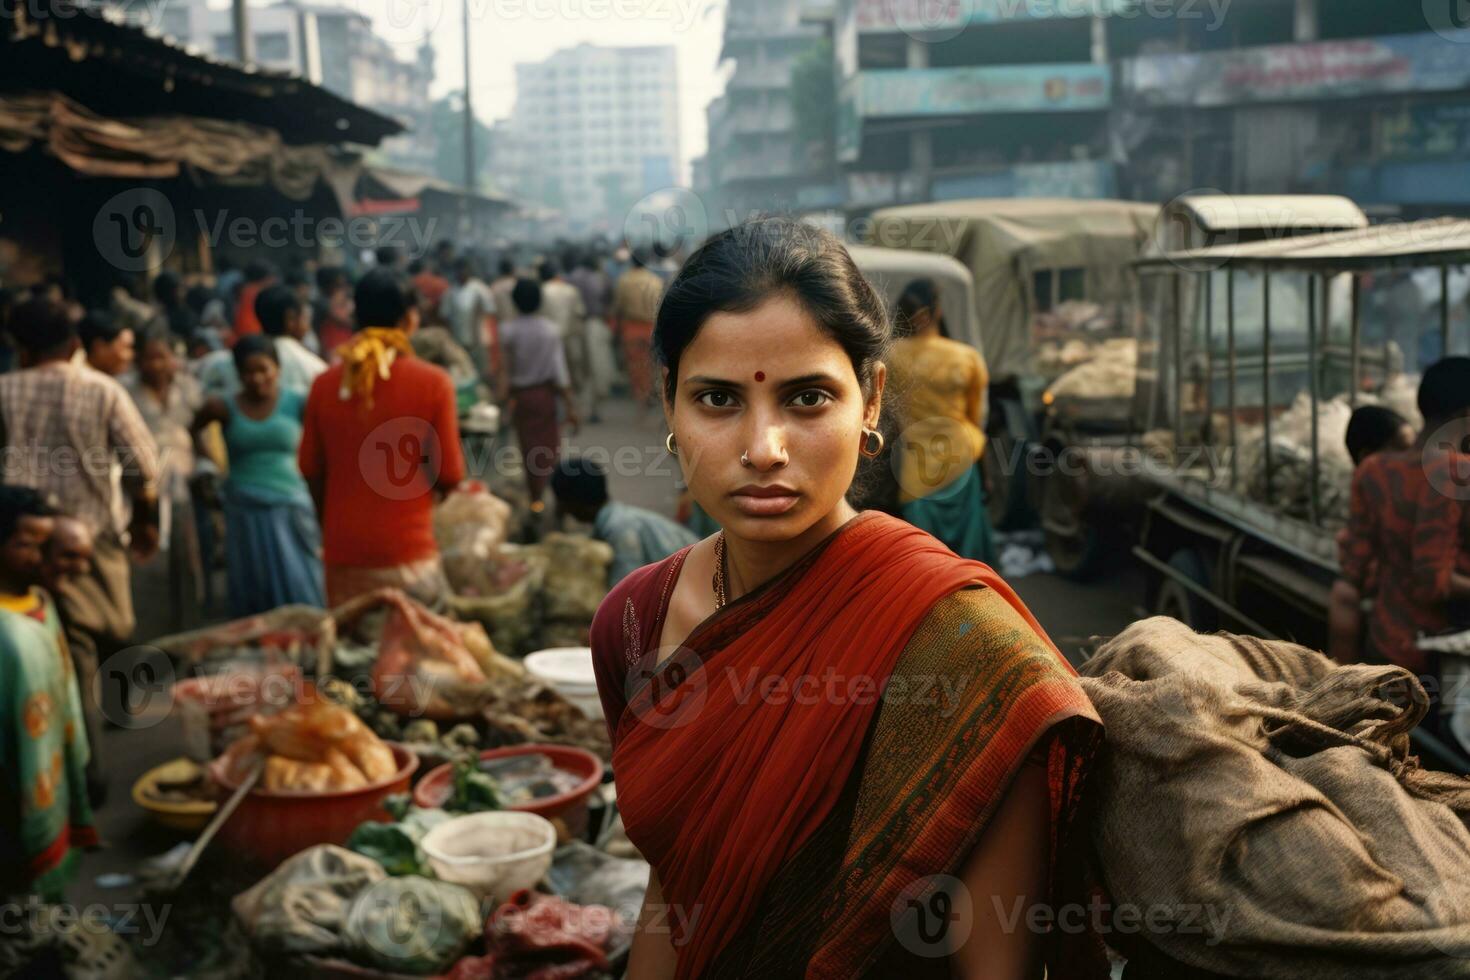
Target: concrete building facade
x=595, y=129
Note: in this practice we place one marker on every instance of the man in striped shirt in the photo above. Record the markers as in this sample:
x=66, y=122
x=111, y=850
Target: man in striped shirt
x=74, y=434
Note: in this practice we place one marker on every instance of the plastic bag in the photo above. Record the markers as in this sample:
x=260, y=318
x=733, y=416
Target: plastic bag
x=411, y=925
x=427, y=666
x=470, y=526
x=302, y=906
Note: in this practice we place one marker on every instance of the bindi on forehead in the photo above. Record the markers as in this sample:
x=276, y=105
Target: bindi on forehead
x=760, y=375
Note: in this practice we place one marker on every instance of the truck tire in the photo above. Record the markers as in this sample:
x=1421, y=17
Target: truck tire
x=1174, y=599
x=1074, y=543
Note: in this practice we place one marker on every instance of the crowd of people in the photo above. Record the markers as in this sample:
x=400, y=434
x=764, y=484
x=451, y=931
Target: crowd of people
x=259, y=422
x=302, y=428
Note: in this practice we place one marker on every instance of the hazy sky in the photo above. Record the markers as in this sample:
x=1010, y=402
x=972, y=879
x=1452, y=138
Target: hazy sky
x=504, y=32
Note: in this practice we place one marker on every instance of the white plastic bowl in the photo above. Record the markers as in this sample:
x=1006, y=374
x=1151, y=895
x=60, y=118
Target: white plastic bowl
x=493, y=854
x=569, y=671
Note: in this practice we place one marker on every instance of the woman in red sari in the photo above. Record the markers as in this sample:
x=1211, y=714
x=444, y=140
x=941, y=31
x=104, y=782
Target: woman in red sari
x=845, y=751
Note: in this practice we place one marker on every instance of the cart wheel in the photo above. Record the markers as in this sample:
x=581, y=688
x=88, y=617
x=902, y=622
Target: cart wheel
x=1005, y=492
x=1075, y=545
x=1175, y=600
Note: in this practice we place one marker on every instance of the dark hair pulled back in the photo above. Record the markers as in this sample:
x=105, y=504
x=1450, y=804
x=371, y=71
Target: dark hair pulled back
x=737, y=270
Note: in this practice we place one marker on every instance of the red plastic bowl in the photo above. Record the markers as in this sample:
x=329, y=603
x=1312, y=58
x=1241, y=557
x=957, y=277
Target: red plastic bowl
x=270, y=827
x=567, y=810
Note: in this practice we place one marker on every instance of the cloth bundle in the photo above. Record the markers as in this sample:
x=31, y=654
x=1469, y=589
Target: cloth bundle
x=1267, y=795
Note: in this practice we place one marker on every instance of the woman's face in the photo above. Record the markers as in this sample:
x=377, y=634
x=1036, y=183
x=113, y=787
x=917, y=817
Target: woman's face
x=772, y=385
x=156, y=365
x=258, y=376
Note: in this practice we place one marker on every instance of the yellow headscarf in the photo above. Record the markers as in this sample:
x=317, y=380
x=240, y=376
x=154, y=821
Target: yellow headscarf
x=368, y=356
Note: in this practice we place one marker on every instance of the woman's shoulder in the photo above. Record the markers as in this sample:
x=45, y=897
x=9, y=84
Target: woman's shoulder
x=982, y=626
x=631, y=606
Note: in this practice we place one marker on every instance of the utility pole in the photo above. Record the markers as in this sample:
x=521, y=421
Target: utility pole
x=469, y=113
x=244, y=43
x=465, y=231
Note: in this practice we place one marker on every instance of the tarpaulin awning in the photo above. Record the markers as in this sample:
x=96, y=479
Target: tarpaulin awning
x=1003, y=241
x=232, y=153
x=89, y=51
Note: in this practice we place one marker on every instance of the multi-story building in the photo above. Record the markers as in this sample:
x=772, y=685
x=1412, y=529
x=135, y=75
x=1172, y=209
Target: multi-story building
x=759, y=157
x=972, y=98
x=331, y=46
x=1369, y=100
x=598, y=128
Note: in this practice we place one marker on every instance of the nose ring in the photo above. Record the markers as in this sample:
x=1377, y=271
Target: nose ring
x=745, y=459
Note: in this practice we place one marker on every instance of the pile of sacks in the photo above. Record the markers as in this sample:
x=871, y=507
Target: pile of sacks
x=528, y=597
x=1291, y=452
x=1268, y=794
x=1290, y=486
x=1111, y=372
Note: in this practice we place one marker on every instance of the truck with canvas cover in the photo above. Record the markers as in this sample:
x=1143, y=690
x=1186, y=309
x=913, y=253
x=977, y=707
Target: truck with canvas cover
x=1051, y=275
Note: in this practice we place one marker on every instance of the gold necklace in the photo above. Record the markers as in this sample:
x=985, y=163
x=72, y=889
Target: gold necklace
x=719, y=580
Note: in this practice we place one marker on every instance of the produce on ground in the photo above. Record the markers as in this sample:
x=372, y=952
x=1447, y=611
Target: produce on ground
x=396, y=845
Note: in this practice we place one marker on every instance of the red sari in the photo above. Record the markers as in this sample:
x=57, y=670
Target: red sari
x=743, y=762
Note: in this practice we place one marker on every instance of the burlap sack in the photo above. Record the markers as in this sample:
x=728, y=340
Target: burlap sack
x=1264, y=797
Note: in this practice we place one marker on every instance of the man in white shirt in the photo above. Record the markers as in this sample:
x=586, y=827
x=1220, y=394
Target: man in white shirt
x=465, y=307
x=562, y=304
x=284, y=317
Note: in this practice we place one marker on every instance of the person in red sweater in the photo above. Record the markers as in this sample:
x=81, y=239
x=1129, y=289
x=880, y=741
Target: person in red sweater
x=258, y=276
x=380, y=439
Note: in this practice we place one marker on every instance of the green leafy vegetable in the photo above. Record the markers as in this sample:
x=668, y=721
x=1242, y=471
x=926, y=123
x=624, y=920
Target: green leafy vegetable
x=473, y=790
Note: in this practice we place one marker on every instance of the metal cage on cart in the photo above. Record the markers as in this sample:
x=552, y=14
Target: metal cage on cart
x=1218, y=383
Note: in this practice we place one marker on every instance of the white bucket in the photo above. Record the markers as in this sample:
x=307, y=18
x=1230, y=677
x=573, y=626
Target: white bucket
x=569, y=671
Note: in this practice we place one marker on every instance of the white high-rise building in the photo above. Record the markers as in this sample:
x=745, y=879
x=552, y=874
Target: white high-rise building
x=599, y=129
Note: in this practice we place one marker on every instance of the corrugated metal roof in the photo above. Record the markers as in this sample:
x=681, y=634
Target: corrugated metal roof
x=1432, y=241
x=94, y=32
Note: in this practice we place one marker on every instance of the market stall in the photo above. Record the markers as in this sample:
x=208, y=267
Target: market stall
x=382, y=790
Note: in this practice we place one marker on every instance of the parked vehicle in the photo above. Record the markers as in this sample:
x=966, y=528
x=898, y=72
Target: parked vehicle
x=1255, y=381
x=1051, y=280
x=1097, y=414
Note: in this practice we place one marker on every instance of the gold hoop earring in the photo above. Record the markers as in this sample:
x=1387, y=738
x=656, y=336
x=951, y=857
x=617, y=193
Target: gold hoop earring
x=671, y=445
x=872, y=443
